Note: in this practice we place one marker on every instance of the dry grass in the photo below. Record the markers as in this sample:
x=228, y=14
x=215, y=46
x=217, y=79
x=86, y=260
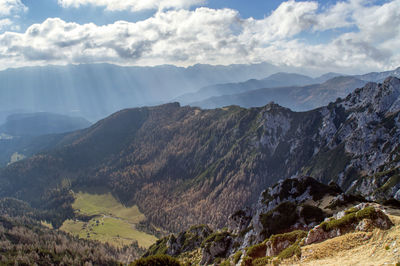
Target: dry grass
x=334, y=246
x=376, y=248
x=191, y=258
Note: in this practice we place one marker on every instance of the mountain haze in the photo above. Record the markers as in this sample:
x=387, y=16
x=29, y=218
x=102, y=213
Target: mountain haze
x=297, y=98
x=280, y=79
x=35, y=124
x=24, y=134
x=97, y=90
x=297, y=92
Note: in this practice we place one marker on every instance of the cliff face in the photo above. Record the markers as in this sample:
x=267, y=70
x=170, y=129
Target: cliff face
x=361, y=134
x=184, y=165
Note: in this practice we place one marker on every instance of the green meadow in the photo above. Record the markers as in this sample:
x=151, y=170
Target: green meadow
x=112, y=223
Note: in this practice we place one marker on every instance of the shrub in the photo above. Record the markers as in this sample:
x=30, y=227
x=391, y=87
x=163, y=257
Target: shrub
x=257, y=251
x=156, y=260
x=247, y=261
x=351, y=217
x=261, y=261
x=291, y=236
x=160, y=247
x=237, y=256
x=215, y=237
x=279, y=219
x=293, y=250
x=339, y=223
x=351, y=210
x=368, y=212
x=225, y=263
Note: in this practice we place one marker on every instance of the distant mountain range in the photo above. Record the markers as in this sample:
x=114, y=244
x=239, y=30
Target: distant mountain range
x=294, y=91
x=35, y=124
x=297, y=98
x=276, y=80
x=97, y=90
x=185, y=165
x=24, y=134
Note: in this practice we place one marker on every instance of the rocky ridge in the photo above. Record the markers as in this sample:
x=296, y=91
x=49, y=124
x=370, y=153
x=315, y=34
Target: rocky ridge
x=293, y=213
x=365, y=125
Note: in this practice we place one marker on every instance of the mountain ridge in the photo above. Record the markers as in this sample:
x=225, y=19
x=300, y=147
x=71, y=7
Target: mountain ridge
x=97, y=90
x=197, y=165
x=275, y=88
x=280, y=79
x=297, y=98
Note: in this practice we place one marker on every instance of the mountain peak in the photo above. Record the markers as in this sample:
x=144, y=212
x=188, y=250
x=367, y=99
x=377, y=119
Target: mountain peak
x=381, y=97
x=274, y=106
x=394, y=81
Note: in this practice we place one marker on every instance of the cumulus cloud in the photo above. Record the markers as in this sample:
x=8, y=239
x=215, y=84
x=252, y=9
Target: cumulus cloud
x=204, y=35
x=5, y=23
x=132, y=5
x=9, y=11
x=11, y=7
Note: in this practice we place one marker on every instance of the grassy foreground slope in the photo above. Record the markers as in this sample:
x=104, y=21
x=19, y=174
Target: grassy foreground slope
x=110, y=221
x=380, y=247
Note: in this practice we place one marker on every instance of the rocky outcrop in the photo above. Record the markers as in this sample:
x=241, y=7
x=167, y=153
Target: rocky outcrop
x=239, y=221
x=363, y=217
x=277, y=243
x=298, y=204
x=217, y=245
x=186, y=241
x=291, y=204
x=293, y=213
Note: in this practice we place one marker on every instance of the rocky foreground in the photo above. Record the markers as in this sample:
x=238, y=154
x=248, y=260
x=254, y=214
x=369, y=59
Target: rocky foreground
x=297, y=221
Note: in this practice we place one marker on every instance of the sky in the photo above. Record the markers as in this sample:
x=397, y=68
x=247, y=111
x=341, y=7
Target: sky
x=343, y=36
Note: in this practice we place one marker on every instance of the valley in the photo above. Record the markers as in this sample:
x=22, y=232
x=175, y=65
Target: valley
x=199, y=165
x=221, y=185
x=199, y=133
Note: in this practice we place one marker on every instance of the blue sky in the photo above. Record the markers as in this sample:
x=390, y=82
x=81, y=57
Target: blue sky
x=39, y=10
x=322, y=35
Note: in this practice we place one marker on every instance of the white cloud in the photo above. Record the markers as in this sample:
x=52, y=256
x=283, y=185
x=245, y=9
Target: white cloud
x=289, y=19
x=10, y=10
x=11, y=7
x=5, y=23
x=204, y=35
x=132, y=5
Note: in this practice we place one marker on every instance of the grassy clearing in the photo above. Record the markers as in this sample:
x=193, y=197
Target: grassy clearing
x=76, y=228
x=112, y=223
x=105, y=204
x=111, y=230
